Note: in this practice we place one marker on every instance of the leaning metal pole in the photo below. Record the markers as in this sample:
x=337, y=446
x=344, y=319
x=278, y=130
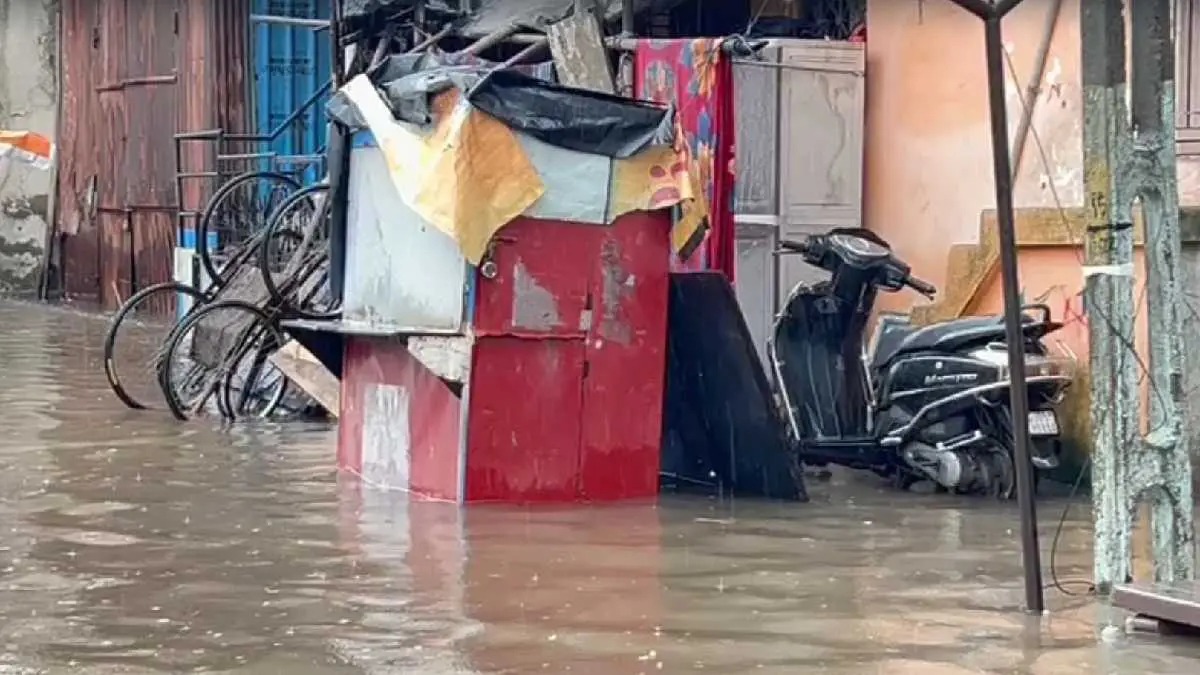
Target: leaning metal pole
x=1124, y=162
x=992, y=13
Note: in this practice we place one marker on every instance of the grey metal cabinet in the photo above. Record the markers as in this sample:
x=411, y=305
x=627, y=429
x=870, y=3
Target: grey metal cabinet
x=799, y=161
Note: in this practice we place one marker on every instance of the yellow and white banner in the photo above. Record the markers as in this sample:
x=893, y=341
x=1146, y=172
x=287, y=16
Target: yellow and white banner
x=27, y=147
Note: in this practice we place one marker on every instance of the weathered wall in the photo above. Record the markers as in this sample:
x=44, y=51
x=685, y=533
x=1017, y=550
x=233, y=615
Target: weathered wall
x=28, y=99
x=929, y=177
x=928, y=159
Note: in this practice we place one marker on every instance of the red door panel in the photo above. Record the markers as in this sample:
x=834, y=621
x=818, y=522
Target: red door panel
x=626, y=354
x=544, y=271
x=523, y=433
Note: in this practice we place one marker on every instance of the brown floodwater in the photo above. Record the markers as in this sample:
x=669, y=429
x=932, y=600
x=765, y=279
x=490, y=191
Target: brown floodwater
x=132, y=543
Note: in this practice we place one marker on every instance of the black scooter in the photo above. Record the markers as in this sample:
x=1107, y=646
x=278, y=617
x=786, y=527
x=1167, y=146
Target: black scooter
x=926, y=403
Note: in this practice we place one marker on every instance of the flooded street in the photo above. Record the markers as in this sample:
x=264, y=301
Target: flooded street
x=133, y=543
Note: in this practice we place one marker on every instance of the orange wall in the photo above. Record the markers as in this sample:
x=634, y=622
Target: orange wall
x=928, y=146
x=1052, y=276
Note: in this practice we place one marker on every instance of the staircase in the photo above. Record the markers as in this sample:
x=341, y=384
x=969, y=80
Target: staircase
x=971, y=266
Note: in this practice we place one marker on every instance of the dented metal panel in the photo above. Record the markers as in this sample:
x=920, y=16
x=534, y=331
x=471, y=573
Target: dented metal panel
x=400, y=425
x=756, y=85
x=402, y=272
x=757, y=268
x=576, y=321
x=543, y=284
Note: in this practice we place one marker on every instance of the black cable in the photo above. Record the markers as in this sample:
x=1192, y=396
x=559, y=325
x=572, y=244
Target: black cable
x=1058, y=584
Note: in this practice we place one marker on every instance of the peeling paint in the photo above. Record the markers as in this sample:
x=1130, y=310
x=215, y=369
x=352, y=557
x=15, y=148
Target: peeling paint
x=28, y=99
x=617, y=286
x=1131, y=469
x=22, y=248
x=534, y=307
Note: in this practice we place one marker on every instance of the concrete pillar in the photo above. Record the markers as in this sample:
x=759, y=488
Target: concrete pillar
x=28, y=102
x=1125, y=162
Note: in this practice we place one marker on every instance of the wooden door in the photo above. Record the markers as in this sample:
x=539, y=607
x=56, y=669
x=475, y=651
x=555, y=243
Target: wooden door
x=116, y=191
x=822, y=92
x=149, y=89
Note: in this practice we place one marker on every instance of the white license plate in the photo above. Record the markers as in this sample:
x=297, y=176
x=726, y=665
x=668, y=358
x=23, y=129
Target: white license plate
x=1043, y=423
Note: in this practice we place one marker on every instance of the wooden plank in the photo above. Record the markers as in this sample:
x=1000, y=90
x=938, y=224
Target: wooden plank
x=577, y=44
x=306, y=372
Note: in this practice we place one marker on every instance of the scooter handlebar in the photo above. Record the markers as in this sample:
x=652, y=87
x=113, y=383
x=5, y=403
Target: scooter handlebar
x=790, y=246
x=921, y=286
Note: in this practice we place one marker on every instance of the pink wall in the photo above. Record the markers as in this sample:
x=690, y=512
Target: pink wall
x=1051, y=275
x=928, y=154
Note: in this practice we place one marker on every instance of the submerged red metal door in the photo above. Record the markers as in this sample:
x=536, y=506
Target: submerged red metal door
x=565, y=400
x=526, y=400
x=525, y=423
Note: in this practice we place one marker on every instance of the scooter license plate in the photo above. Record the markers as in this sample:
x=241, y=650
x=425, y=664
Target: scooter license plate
x=1043, y=423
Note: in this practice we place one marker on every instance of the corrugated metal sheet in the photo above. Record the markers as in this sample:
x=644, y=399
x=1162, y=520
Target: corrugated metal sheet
x=213, y=49
x=291, y=63
x=149, y=91
x=122, y=63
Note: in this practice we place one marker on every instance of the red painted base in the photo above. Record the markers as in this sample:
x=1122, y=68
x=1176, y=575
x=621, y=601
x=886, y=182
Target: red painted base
x=399, y=424
x=565, y=397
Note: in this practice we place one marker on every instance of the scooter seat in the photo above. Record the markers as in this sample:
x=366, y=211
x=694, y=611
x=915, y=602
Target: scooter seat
x=946, y=336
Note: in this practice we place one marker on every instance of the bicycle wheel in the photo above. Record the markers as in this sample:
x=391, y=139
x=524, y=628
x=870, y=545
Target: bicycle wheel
x=293, y=252
x=141, y=326
x=239, y=210
x=254, y=387
x=206, y=347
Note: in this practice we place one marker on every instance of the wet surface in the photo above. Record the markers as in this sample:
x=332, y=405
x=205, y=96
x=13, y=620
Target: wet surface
x=132, y=543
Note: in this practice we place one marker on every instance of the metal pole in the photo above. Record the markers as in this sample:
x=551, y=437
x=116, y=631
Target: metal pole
x=1163, y=459
x=1108, y=297
x=992, y=14
x=418, y=32
x=289, y=21
x=1034, y=86
x=1013, y=322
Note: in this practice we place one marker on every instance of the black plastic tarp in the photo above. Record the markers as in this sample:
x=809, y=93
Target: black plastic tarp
x=721, y=427
x=575, y=119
